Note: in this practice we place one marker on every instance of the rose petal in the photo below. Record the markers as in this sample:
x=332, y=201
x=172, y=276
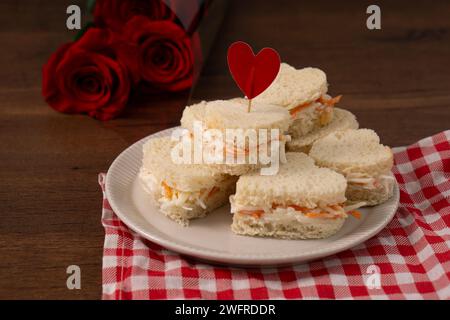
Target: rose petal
x=86, y=77
x=156, y=38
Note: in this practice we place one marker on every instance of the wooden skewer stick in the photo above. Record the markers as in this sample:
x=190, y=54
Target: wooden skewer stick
x=249, y=105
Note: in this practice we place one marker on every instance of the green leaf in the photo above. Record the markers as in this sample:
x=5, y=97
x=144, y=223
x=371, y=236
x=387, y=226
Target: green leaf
x=90, y=5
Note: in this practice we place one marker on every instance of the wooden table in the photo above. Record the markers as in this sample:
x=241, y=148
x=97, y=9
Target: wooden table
x=396, y=80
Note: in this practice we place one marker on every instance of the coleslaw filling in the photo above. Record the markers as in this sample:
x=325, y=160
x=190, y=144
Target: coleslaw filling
x=323, y=106
x=170, y=196
x=231, y=147
x=368, y=182
x=322, y=211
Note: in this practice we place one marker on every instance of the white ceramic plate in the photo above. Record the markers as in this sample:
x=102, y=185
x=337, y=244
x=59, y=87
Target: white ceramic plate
x=211, y=239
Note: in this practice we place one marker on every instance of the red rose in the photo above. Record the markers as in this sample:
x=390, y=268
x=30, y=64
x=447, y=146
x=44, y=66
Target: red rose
x=92, y=75
x=166, y=53
x=114, y=14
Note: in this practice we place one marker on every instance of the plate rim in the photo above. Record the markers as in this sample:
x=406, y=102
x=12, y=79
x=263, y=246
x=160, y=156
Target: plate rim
x=211, y=255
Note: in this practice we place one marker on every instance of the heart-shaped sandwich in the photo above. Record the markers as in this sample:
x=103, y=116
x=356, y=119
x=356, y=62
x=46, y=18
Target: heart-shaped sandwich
x=359, y=156
x=182, y=191
x=228, y=115
x=302, y=201
x=304, y=93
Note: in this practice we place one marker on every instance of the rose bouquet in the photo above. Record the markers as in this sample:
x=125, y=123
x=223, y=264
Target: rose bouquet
x=131, y=45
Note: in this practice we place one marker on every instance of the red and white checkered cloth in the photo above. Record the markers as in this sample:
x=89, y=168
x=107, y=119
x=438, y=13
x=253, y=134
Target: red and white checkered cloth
x=411, y=255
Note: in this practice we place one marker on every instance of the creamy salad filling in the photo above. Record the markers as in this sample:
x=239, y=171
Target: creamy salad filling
x=231, y=147
x=365, y=181
x=278, y=211
x=170, y=196
x=323, y=106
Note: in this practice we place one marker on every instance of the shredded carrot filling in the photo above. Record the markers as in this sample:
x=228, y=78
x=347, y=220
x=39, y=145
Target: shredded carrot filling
x=307, y=212
x=255, y=213
x=330, y=102
x=299, y=108
x=355, y=213
x=298, y=208
x=327, y=102
x=320, y=215
x=167, y=190
x=246, y=150
x=213, y=191
x=236, y=150
x=326, y=215
x=293, y=206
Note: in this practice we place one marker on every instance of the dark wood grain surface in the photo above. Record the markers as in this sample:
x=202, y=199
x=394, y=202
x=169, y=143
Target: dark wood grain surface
x=396, y=80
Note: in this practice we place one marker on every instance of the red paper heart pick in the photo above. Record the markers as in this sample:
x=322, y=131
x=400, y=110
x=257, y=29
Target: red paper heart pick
x=253, y=74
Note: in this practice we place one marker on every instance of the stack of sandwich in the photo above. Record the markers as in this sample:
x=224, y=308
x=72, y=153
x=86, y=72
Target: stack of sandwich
x=190, y=190
x=330, y=169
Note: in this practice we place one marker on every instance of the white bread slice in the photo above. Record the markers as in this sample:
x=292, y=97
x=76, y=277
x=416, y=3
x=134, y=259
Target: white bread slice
x=293, y=87
x=299, y=182
x=290, y=227
x=195, y=112
x=358, y=154
x=342, y=120
x=232, y=114
x=353, y=151
x=184, y=177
